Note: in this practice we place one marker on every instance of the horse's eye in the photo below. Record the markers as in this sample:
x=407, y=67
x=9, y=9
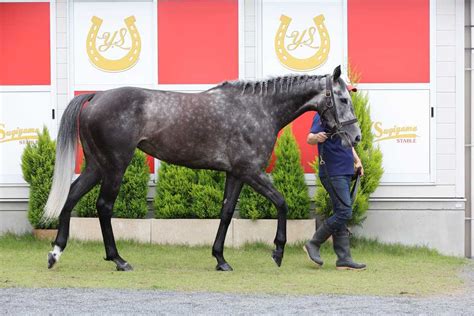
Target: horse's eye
x=343, y=100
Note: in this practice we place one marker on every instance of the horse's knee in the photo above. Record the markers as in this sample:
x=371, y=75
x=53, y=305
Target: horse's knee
x=104, y=208
x=100, y=203
x=281, y=205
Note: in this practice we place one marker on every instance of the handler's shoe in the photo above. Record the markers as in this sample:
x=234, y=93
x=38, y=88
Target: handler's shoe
x=341, y=247
x=312, y=247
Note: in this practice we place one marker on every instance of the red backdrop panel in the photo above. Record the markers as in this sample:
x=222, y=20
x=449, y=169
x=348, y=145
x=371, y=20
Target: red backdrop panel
x=25, y=44
x=309, y=153
x=80, y=153
x=301, y=127
x=197, y=41
x=389, y=41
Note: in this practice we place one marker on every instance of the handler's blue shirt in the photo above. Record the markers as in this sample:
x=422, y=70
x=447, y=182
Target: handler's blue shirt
x=339, y=159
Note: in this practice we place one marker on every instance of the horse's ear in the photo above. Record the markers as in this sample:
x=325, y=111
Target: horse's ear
x=337, y=73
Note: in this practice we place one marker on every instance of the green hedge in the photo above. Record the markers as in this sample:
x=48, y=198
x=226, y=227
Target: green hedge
x=173, y=191
x=253, y=205
x=187, y=193
x=207, y=194
x=37, y=164
x=86, y=207
x=131, y=201
x=371, y=157
x=288, y=179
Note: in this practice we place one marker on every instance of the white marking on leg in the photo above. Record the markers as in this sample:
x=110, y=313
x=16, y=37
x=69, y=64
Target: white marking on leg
x=56, y=252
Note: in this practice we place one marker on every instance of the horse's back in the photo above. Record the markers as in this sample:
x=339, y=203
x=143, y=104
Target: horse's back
x=189, y=129
x=182, y=128
x=201, y=130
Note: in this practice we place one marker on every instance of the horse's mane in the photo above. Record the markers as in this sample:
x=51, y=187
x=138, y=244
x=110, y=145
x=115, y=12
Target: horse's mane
x=282, y=84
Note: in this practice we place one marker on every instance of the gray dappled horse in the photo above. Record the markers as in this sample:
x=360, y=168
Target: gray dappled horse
x=231, y=127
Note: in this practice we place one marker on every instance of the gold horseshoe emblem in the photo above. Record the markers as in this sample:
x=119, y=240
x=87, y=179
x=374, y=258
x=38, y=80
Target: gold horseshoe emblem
x=113, y=65
x=302, y=64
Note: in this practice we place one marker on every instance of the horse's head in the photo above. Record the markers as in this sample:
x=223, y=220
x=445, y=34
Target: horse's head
x=334, y=105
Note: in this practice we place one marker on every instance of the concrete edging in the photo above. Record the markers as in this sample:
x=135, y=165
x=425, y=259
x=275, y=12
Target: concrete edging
x=191, y=232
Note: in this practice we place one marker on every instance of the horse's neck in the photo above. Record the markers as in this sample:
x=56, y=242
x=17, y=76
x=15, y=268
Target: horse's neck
x=285, y=107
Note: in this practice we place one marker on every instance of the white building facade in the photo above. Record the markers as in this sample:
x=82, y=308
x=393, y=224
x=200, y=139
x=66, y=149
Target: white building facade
x=411, y=57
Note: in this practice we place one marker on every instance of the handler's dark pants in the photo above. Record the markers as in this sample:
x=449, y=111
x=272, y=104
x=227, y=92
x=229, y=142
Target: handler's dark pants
x=342, y=214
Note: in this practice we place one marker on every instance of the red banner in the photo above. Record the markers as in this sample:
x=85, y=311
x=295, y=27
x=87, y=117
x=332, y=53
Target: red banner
x=25, y=43
x=389, y=41
x=198, y=41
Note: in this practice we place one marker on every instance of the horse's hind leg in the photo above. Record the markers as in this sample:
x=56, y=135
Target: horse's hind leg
x=83, y=184
x=262, y=184
x=233, y=186
x=108, y=194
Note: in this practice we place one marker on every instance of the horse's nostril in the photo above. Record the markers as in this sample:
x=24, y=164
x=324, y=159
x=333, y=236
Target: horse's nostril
x=357, y=139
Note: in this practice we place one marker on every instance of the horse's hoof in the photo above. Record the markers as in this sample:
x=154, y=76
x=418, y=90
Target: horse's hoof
x=277, y=257
x=51, y=260
x=224, y=267
x=124, y=267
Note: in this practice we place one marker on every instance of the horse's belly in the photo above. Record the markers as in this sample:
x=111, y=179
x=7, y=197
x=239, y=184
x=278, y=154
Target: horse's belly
x=188, y=155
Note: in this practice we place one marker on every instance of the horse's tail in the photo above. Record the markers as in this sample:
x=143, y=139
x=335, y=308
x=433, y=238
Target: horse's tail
x=65, y=157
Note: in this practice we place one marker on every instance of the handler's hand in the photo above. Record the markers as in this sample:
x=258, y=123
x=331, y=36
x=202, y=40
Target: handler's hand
x=313, y=139
x=357, y=165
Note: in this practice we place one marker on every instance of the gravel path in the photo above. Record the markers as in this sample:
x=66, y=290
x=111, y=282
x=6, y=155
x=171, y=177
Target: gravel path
x=19, y=301
x=107, y=302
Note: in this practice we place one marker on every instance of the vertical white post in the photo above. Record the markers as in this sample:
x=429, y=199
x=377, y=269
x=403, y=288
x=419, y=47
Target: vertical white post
x=471, y=202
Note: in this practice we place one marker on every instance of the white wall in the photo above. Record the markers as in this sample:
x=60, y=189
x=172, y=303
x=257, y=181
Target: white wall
x=14, y=197
x=435, y=224
x=384, y=220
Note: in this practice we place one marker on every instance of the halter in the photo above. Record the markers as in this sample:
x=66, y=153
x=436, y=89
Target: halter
x=330, y=103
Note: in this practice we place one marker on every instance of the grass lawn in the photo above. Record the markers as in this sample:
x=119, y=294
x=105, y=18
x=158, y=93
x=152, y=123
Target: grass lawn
x=392, y=269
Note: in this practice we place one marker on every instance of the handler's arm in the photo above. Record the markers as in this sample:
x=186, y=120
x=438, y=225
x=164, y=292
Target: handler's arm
x=314, y=139
x=316, y=133
x=357, y=162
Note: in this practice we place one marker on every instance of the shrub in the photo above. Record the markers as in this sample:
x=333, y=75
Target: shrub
x=371, y=158
x=37, y=164
x=207, y=194
x=186, y=193
x=131, y=201
x=86, y=207
x=288, y=179
x=173, y=191
x=253, y=205
x=288, y=176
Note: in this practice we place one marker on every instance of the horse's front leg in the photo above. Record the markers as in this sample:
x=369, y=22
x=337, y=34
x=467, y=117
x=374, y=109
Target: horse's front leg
x=262, y=184
x=233, y=186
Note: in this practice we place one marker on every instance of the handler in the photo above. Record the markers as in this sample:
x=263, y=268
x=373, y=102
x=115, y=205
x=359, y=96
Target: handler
x=340, y=163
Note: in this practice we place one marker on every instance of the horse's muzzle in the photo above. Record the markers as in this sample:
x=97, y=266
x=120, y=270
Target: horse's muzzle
x=356, y=141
